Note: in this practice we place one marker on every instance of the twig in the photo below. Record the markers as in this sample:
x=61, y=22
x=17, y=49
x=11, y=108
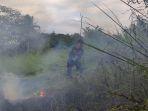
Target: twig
x=108, y=35
x=134, y=8
x=120, y=26
x=124, y=59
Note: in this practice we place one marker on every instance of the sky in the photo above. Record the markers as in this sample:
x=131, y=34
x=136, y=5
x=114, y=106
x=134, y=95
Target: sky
x=63, y=16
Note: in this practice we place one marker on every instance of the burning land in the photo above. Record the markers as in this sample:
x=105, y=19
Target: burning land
x=96, y=68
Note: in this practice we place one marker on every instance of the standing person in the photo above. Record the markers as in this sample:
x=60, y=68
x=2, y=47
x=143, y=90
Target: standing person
x=74, y=59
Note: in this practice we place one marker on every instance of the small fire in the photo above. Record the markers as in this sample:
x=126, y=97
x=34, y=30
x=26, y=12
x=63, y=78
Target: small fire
x=42, y=93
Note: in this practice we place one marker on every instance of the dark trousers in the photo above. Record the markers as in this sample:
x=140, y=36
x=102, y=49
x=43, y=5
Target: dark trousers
x=71, y=64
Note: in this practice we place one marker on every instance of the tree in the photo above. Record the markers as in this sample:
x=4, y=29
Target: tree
x=18, y=32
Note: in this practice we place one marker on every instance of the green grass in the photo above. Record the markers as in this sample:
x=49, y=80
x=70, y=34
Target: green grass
x=33, y=63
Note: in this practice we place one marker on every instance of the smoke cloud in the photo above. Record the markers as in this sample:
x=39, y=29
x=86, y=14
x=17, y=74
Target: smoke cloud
x=11, y=87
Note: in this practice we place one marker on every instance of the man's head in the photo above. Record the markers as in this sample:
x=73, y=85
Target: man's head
x=79, y=44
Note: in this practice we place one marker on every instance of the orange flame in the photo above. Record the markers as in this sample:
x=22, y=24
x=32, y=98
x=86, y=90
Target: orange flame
x=42, y=93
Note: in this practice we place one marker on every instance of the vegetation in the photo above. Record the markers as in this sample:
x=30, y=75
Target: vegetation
x=115, y=74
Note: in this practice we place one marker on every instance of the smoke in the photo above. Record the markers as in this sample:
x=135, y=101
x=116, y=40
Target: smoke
x=11, y=87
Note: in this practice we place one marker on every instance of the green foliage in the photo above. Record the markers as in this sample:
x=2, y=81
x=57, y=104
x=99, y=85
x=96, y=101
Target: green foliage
x=28, y=64
x=31, y=64
x=60, y=40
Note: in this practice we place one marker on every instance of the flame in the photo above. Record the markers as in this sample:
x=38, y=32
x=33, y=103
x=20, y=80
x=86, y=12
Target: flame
x=42, y=93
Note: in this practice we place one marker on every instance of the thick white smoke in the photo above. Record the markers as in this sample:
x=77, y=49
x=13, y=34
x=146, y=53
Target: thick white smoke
x=11, y=87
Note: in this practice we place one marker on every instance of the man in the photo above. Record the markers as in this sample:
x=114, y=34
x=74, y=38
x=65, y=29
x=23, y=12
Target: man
x=74, y=59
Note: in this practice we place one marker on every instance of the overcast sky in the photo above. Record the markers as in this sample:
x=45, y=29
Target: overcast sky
x=62, y=16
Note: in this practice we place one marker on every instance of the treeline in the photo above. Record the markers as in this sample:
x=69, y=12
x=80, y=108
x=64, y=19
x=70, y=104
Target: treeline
x=20, y=34
x=54, y=40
